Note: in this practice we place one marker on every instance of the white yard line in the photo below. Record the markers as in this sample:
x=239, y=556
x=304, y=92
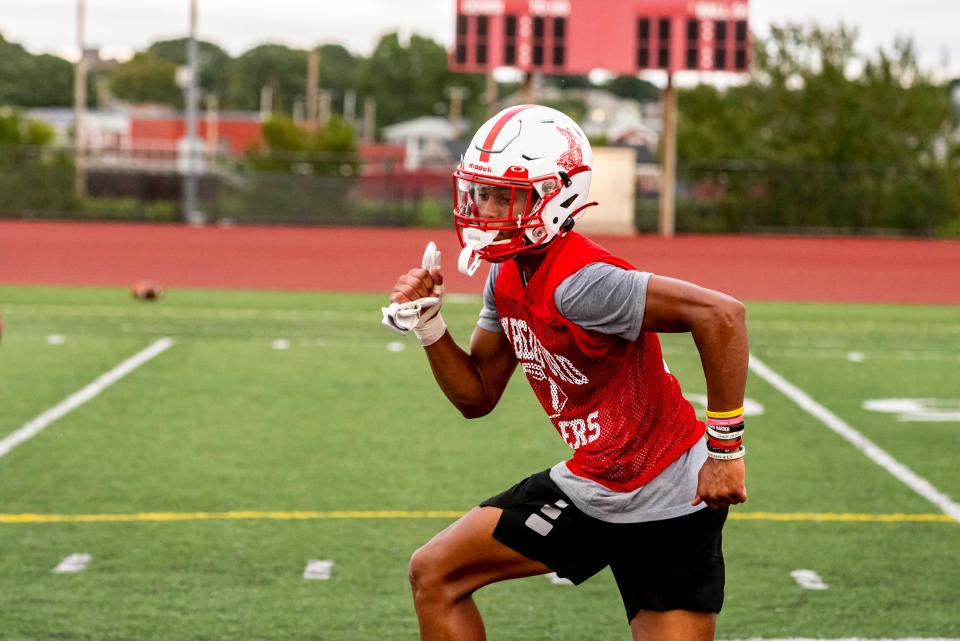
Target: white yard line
x=904, y=474
x=75, y=400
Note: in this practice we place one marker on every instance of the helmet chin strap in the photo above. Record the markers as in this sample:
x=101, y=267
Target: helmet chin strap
x=473, y=241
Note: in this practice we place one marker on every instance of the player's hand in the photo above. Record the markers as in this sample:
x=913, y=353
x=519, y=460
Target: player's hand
x=417, y=283
x=721, y=483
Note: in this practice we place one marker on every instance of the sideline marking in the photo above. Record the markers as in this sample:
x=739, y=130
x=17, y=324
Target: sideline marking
x=144, y=517
x=808, y=580
x=904, y=474
x=73, y=564
x=75, y=400
x=318, y=570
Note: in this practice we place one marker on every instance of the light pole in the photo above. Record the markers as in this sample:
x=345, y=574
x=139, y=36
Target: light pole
x=668, y=158
x=190, y=213
x=80, y=106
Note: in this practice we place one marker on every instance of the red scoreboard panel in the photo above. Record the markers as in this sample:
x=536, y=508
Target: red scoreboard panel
x=621, y=36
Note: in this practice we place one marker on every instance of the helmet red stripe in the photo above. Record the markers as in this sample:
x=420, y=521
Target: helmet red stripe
x=497, y=128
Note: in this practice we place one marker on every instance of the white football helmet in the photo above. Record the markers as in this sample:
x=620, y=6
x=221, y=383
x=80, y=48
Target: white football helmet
x=521, y=182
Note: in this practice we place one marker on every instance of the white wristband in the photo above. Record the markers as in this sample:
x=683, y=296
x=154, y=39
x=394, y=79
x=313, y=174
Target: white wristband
x=430, y=330
x=724, y=436
x=728, y=456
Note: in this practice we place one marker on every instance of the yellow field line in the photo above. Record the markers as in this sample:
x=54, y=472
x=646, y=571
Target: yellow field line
x=842, y=517
x=143, y=517
x=223, y=516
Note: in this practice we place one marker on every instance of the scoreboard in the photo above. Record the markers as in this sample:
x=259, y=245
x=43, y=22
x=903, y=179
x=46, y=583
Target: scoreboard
x=620, y=36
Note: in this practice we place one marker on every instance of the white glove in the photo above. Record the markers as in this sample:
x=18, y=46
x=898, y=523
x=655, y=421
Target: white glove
x=421, y=315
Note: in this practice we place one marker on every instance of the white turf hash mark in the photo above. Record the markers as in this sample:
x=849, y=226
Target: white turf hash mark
x=75, y=400
x=318, y=570
x=855, y=357
x=808, y=580
x=395, y=346
x=917, y=410
x=919, y=485
x=55, y=339
x=73, y=564
x=280, y=343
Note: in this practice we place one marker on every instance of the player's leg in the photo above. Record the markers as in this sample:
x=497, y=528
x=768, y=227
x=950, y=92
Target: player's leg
x=673, y=625
x=446, y=572
x=531, y=528
x=671, y=575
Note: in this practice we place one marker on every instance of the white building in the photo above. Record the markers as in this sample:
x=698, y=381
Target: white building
x=427, y=140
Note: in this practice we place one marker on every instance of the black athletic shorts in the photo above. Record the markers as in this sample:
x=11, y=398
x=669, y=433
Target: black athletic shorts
x=658, y=565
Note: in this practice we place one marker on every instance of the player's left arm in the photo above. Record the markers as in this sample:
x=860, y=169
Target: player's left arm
x=718, y=325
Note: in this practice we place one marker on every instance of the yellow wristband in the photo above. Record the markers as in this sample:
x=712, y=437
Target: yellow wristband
x=730, y=414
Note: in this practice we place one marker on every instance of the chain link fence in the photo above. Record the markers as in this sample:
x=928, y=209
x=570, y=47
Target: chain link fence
x=730, y=197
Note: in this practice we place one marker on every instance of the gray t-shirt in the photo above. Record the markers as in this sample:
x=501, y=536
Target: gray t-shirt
x=611, y=300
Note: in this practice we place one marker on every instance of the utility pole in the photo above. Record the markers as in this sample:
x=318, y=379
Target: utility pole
x=457, y=94
x=213, y=122
x=369, y=120
x=490, y=94
x=80, y=106
x=527, y=88
x=325, y=100
x=668, y=158
x=313, y=82
x=266, y=103
x=190, y=213
x=350, y=107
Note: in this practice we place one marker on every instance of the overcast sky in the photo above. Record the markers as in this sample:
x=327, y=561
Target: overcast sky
x=119, y=27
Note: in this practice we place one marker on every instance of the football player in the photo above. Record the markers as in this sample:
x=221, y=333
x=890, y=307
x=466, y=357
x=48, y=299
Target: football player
x=644, y=492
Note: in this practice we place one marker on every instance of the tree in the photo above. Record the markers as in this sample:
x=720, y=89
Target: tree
x=273, y=65
x=633, y=88
x=146, y=78
x=835, y=138
x=27, y=80
x=338, y=71
x=805, y=103
x=411, y=79
x=288, y=147
x=562, y=81
x=214, y=62
x=16, y=130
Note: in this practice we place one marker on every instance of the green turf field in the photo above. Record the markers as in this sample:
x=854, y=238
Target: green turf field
x=338, y=447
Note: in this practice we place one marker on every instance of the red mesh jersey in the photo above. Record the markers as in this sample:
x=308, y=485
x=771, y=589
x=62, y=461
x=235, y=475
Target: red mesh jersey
x=612, y=400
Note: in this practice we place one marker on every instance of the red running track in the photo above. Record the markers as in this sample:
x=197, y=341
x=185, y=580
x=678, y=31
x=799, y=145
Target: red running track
x=351, y=259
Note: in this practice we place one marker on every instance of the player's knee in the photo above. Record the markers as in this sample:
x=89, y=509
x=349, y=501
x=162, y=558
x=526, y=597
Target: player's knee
x=425, y=575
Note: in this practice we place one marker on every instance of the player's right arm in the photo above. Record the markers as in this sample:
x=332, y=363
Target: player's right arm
x=473, y=382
